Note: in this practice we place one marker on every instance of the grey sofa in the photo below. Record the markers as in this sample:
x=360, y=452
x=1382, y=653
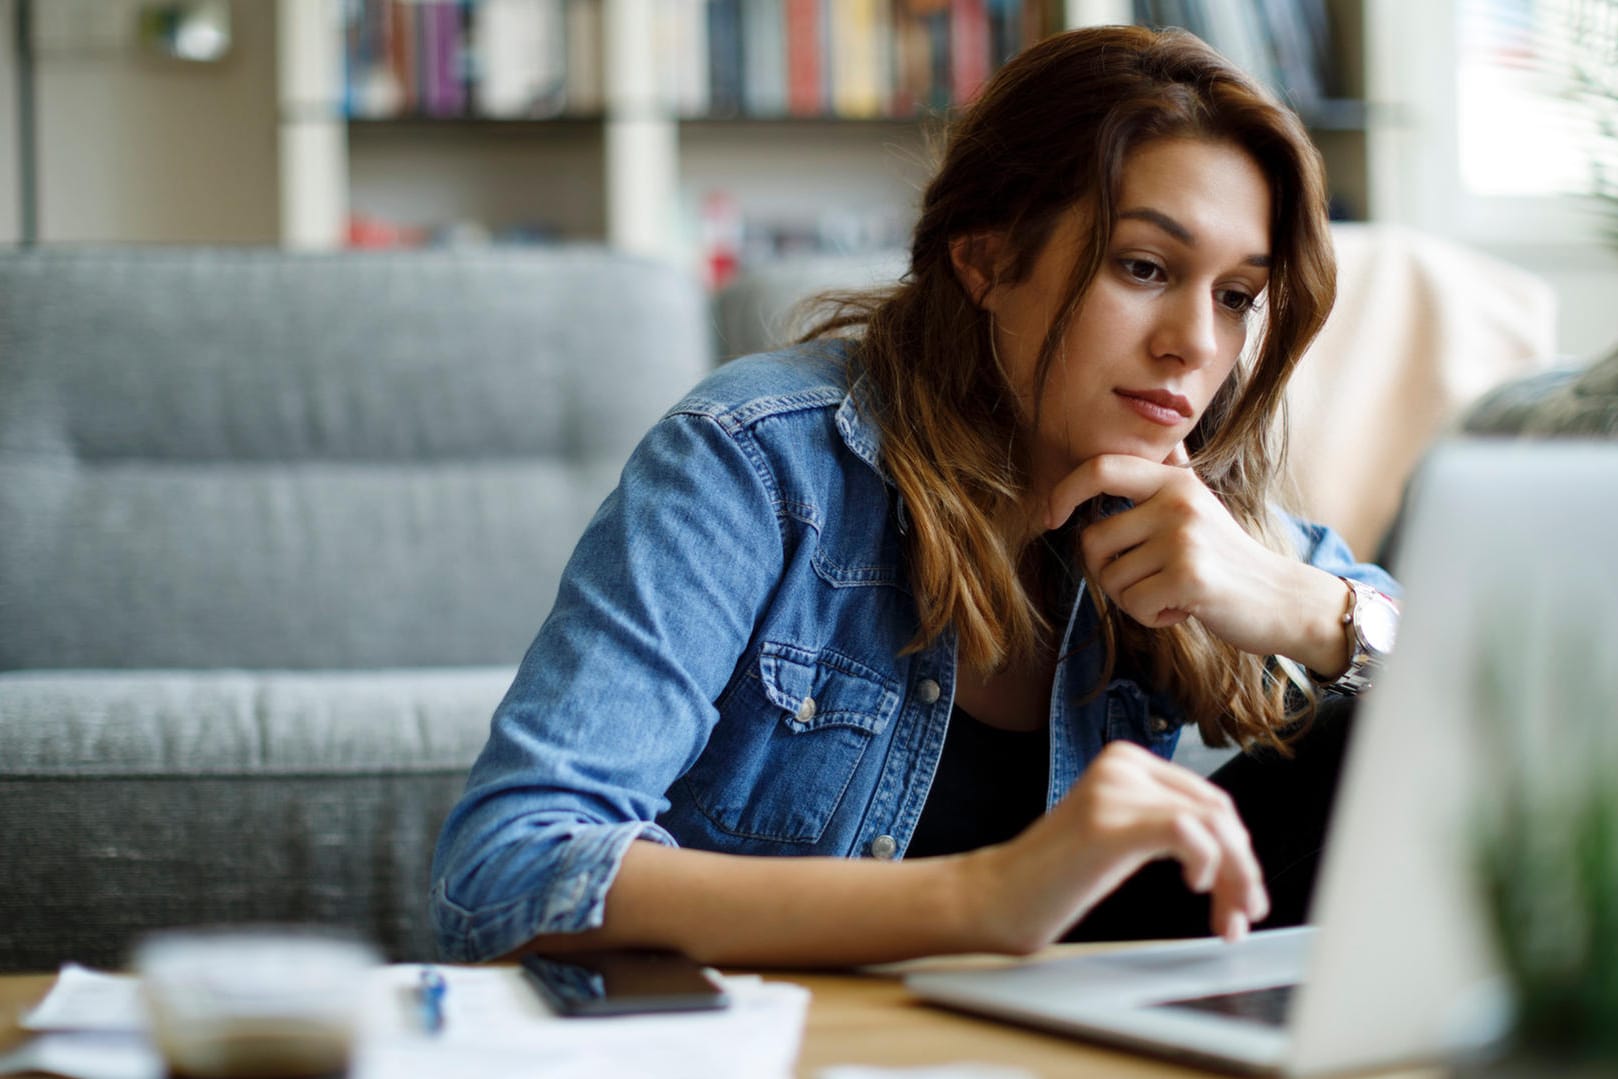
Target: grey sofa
x=274, y=530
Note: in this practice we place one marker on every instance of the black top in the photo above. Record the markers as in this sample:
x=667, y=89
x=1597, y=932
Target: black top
x=990, y=785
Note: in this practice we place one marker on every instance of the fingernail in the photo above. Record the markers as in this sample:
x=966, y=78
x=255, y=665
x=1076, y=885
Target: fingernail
x=1236, y=927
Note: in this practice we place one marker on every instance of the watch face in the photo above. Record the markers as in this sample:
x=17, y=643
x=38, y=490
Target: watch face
x=1377, y=620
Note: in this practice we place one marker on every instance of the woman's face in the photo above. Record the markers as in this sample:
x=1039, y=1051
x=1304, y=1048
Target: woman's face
x=1163, y=322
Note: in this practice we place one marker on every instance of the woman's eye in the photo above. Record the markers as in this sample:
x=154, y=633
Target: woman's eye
x=1235, y=301
x=1141, y=269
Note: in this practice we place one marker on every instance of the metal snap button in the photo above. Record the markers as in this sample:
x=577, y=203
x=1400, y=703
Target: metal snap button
x=1161, y=725
x=884, y=847
x=806, y=710
x=928, y=690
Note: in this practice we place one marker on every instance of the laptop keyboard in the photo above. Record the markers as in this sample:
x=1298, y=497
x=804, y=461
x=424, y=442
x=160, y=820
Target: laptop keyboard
x=1267, y=1006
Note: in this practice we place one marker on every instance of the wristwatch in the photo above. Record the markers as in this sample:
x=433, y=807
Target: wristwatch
x=1371, y=622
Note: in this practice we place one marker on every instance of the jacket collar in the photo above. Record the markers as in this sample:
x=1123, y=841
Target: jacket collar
x=863, y=438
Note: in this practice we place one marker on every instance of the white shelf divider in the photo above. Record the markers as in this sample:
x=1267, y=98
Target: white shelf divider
x=313, y=132
x=642, y=141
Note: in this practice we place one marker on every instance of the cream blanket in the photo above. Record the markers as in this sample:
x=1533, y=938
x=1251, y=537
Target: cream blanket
x=1421, y=329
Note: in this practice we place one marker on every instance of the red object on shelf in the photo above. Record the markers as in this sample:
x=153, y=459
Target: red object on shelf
x=721, y=238
x=375, y=233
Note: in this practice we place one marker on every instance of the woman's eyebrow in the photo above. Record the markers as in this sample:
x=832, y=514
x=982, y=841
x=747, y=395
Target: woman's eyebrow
x=1180, y=232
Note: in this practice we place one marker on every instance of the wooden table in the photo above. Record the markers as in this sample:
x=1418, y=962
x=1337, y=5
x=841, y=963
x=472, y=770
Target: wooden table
x=856, y=1019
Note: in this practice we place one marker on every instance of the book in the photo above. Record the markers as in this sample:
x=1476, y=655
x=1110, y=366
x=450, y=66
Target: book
x=684, y=55
x=969, y=49
x=1006, y=31
x=764, y=58
x=859, y=46
x=521, y=63
x=805, y=57
x=725, y=79
x=402, y=38
x=1297, y=62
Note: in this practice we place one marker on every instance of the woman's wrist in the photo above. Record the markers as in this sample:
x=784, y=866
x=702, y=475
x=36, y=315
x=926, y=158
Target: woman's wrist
x=986, y=916
x=1319, y=642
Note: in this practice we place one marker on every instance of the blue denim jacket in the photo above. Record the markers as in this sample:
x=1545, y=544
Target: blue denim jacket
x=721, y=669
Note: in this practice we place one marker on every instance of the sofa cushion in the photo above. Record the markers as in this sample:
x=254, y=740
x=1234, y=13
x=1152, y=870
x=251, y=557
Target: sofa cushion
x=256, y=458
x=142, y=800
x=176, y=564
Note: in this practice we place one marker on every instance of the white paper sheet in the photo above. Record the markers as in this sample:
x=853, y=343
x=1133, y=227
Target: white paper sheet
x=85, y=999
x=85, y=1056
x=494, y=1026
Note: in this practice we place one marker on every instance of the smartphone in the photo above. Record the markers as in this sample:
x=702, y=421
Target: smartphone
x=623, y=983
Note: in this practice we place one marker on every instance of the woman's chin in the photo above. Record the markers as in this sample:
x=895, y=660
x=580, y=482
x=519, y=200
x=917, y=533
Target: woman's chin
x=1158, y=451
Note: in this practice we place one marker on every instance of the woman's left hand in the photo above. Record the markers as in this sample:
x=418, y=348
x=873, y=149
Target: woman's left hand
x=1178, y=554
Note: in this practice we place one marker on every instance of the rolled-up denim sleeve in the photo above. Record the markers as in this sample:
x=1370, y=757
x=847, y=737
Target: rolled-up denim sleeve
x=614, y=699
x=1323, y=548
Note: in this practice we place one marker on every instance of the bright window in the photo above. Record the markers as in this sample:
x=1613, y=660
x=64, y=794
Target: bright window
x=1537, y=89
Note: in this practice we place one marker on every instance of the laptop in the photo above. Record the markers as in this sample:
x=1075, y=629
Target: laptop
x=1507, y=562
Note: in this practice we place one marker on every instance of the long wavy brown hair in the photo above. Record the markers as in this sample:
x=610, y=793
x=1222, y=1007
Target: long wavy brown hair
x=1053, y=130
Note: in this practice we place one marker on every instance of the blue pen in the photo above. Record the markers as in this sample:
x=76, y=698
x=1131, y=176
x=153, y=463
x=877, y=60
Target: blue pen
x=431, y=991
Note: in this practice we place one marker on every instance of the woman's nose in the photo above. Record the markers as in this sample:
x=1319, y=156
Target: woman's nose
x=1187, y=329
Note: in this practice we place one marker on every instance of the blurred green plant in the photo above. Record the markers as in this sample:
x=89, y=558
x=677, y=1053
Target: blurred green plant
x=1547, y=842
x=1591, y=28
x=1550, y=876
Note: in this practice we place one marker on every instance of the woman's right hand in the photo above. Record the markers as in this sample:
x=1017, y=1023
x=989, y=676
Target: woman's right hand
x=1129, y=808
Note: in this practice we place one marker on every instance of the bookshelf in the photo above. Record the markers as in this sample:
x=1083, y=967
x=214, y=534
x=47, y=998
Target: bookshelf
x=645, y=153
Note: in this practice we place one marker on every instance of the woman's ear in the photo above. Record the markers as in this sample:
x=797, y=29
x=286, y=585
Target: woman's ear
x=975, y=257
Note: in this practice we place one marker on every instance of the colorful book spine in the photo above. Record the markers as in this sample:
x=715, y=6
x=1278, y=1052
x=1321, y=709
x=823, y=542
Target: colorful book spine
x=805, y=58
x=859, y=41
x=1005, y=27
x=764, y=58
x=969, y=49
x=725, y=79
x=521, y=58
x=769, y=58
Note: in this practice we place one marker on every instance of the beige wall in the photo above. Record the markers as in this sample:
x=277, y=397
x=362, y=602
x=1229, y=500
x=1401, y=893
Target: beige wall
x=1586, y=284
x=139, y=148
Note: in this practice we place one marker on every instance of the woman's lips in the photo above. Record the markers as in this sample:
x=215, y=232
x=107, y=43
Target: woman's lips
x=1159, y=406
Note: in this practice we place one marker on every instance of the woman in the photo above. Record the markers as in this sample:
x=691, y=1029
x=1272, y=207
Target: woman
x=1026, y=506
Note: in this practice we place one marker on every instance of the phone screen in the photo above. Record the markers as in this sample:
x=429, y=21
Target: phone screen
x=623, y=983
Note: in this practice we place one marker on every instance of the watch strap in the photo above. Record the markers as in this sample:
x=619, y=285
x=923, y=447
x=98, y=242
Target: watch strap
x=1364, y=660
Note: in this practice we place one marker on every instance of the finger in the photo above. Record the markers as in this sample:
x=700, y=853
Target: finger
x=1145, y=583
x=1128, y=569
x=1193, y=845
x=1242, y=877
x=1193, y=821
x=1155, y=601
x=1117, y=474
x=1235, y=903
x=1215, y=860
x=1104, y=540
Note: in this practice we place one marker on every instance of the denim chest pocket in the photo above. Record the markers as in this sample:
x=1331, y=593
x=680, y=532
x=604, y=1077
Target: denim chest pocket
x=1148, y=720
x=791, y=732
